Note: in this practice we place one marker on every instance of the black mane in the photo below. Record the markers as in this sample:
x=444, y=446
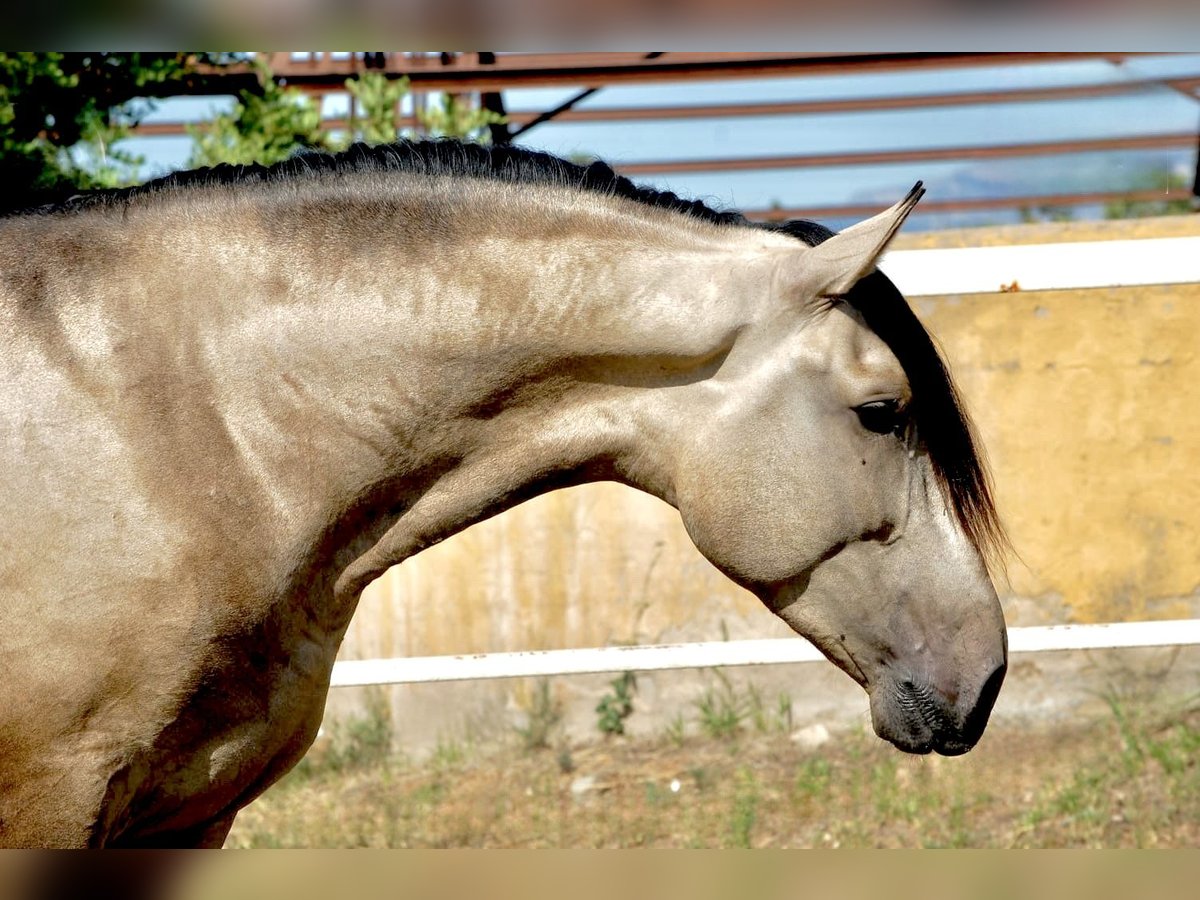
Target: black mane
x=937, y=414
x=509, y=164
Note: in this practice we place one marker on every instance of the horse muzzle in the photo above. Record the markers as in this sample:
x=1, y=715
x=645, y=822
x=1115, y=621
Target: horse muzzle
x=917, y=717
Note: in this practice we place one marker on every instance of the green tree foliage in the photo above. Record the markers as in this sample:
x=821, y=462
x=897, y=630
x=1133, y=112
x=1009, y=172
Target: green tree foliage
x=1047, y=212
x=1164, y=180
x=266, y=125
x=455, y=118
x=272, y=122
x=377, y=102
x=1133, y=209
x=61, y=113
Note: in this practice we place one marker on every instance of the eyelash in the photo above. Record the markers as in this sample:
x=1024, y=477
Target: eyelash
x=883, y=417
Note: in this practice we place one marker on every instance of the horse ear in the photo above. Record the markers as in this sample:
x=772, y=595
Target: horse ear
x=836, y=265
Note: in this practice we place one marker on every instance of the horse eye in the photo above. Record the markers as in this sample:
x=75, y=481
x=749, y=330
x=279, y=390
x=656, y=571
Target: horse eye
x=882, y=417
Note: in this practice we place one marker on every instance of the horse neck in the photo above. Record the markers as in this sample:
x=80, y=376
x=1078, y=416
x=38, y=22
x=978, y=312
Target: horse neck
x=385, y=384
x=495, y=364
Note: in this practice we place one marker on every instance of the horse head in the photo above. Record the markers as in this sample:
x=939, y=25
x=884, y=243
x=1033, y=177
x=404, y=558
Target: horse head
x=832, y=471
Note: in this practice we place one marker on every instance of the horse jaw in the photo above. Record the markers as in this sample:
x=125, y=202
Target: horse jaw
x=915, y=620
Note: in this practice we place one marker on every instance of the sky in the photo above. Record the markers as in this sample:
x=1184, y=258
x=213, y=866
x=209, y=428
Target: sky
x=1155, y=110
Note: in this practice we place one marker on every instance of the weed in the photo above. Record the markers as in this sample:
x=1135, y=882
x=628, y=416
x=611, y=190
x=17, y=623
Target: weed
x=368, y=741
x=656, y=795
x=813, y=778
x=428, y=796
x=545, y=712
x=616, y=707
x=448, y=753
x=721, y=711
x=1177, y=749
x=359, y=742
x=566, y=762
x=961, y=835
x=1134, y=754
x=890, y=800
x=369, y=737
x=266, y=840
x=765, y=719
x=756, y=710
x=745, y=808
x=1084, y=797
x=783, y=711
x=677, y=730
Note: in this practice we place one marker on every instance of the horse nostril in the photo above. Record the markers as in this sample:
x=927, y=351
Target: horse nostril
x=921, y=704
x=978, y=717
x=928, y=710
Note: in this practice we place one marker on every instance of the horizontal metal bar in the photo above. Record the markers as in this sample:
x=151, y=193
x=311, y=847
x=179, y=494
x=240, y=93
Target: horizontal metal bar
x=850, y=104
x=935, y=154
x=172, y=129
x=796, y=107
x=819, y=160
x=971, y=204
x=465, y=73
x=709, y=654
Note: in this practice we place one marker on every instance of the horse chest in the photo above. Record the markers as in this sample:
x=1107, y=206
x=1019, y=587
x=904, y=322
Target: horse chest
x=242, y=726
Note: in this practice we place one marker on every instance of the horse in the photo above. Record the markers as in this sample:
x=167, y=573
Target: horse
x=233, y=397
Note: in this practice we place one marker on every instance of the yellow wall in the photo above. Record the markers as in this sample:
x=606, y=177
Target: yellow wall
x=1086, y=401
x=1088, y=404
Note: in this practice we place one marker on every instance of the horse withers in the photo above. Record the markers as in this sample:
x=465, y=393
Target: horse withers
x=231, y=398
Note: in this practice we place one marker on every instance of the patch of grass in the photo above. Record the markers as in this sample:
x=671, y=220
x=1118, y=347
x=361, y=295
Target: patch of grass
x=1175, y=745
x=676, y=730
x=888, y=798
x=1133, y=754
x=813, y=778
x=958, y=823
x=1082, y=786
x=721, y=710
x=448, y=753
x=658, y=795
x=1149, y=786
x=358, y=742
x=769, y=719
x=745, y=808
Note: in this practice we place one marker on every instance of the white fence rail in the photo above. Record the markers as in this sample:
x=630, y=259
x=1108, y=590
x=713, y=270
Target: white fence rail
x=1045, y=267
x=422, y=669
